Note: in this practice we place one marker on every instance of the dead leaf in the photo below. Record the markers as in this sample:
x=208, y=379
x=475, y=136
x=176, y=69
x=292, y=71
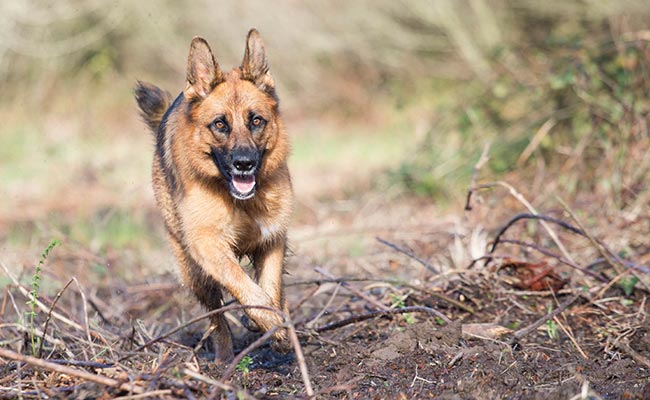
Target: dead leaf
x=484, y=331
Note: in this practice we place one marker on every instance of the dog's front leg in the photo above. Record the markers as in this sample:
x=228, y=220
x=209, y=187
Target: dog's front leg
x=269, y=268
x=218, y=260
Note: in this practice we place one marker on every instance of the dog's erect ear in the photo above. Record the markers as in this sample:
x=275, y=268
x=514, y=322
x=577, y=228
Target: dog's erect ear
x=255, y=67
x=203, y=72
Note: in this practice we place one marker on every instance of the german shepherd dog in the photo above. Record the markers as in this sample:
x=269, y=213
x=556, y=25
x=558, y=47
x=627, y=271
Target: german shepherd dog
x=221, y=181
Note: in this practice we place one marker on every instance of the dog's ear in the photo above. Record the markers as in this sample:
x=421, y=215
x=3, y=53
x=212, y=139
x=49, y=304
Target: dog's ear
x=255, y=67
x=203, y=72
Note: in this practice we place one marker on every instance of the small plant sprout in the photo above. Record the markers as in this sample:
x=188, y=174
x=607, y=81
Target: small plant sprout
x=551, y=327
x=627, y=284
x=244, y=364
x=33, y=294
x=398, y=302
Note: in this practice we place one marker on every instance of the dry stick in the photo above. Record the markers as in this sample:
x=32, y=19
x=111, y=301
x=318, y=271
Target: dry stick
x=40, y=305
x=373, y=314
x=205, y=337
x=483, y=159
x=292, y=335
x=353, y=289
x=153, y=393
x=347, y=386
x=517, y=217
x=525, y=331
x=257, y=343
x=86, y=364
x=392, y=282
x=530, y=208
x=628, y=264
x=409, y=254
x=85, y=308
x=565, y=329
x=217, y=385
x=533, y=246
x=571, y=338
x=162, y=366
x=185, y=325
x=604, y=251
x=62, y=369
x=605, y=288
x=638, y=357
x=49, y=316
x=310, y=324
x=300, y=357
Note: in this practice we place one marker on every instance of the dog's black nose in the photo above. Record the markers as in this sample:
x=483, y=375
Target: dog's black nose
x=244, y=160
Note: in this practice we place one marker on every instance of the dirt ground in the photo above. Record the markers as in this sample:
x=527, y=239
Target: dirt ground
x=513, y=325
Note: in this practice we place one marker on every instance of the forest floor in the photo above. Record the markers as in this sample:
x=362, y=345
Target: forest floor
x=391, y=297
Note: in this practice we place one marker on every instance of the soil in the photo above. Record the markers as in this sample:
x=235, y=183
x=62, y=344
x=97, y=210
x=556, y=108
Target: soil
x=598, y=347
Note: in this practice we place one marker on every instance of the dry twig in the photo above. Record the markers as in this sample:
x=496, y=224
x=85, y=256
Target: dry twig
x=408, y=253
x=257, y=343
x=49, y=316
x=373, y=314
x=62, y=369
x=525, y=331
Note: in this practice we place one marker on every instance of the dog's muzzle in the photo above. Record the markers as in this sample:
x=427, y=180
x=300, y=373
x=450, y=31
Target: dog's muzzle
x=239, y=167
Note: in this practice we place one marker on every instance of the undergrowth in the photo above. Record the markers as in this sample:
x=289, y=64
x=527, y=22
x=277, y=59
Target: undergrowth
x=573, y=105
x=33, y=294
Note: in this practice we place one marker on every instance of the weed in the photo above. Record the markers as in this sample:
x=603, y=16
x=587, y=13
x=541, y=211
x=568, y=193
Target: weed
x=398, y=302
x=514, y=325
x=551, y=327
x=627, y=284
x=244, y=364
x=33, y=294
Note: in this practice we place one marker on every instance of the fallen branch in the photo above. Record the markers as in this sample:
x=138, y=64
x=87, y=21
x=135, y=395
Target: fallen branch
x=518, y=217
x=533, y=246
x=49, y=317
x=373, y=314
x=62, y=369
x=218, y=386
x=392, y=282
x=526, y=204
x=525, y=331
x=257, y=343
x=208, y=314
x=408, y=253
x=353, y=289
x=638, y=357
x=300, y=358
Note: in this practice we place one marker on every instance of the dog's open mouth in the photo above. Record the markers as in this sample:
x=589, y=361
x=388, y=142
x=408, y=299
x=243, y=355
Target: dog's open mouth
x=242, y=187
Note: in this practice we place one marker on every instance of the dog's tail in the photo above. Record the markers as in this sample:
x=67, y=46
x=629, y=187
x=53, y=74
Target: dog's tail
x=153, y=103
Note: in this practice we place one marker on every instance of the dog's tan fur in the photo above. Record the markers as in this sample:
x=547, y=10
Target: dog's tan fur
x=208, y=229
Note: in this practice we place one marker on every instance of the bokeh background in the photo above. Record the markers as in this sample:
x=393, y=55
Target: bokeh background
x=392, y=101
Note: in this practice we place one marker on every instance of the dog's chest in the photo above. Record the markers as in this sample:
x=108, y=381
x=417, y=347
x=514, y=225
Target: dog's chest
x=256, y=231
x=268, y=229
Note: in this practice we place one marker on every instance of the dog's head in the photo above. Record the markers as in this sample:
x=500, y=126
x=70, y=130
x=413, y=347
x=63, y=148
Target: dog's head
x=234, y=118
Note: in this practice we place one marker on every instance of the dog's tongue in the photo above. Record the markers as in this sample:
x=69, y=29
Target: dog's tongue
x=244, y=184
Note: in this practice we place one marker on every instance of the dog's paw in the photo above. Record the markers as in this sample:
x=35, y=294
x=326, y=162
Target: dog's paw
x=249, y=324
x=281, y=343
x=265, y=319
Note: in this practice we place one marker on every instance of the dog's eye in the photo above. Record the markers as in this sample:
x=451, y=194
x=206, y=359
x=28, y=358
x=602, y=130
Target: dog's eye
x=220, y=125
x=256, y=123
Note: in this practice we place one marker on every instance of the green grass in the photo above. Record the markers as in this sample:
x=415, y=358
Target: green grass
x=357, y=147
